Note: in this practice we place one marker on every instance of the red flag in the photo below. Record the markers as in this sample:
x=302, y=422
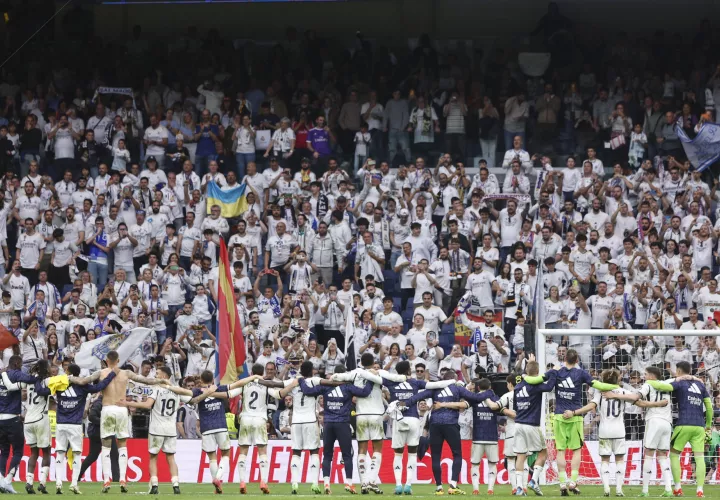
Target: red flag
x=231, y=343
x=7, y=339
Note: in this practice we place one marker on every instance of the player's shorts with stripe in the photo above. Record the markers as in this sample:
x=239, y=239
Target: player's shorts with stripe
x=369, y=428
x=114, y=421
x=693, y=434
x=69, y=436
x=405, y=432
x=305, y=436
x=211, y=442
x=37, y=434
x=657, y=434
x=252, y=431
x=528, y=439
x=479, y=450
x=568, y=433
x=168, y=444
x=612, y=446
x=508, y=450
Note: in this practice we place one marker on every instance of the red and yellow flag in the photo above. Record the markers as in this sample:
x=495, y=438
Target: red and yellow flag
x=230, y=340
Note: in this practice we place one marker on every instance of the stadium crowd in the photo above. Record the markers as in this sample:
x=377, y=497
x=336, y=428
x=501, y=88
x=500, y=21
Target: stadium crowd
x=418, y=193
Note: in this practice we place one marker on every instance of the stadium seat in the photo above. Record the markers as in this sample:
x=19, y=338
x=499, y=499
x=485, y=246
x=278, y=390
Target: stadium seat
x=397, y=303
x=448, y=330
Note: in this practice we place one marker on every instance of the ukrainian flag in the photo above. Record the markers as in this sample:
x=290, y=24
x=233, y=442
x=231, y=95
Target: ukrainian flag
x=232, y=202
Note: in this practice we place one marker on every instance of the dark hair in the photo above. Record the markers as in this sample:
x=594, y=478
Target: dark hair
x=165, y=370
x=258, y=369
x=571, y=356
x=206, y=377
x=306, y=369
x=685, y=367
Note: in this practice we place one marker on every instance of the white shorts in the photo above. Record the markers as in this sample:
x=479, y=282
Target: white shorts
x=168, y=444
x=37, y=434
x=252, y=431
x=69, y=436
x=114, y=421
x=211, y=442
x=657, y=434
x=305, y=436
x=528, y=439
x=369, y=428
x=614, y=446
x=405, y=432
x=478, y=450
x=508, y=450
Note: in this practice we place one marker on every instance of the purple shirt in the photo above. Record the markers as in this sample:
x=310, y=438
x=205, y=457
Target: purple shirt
x=319, y=140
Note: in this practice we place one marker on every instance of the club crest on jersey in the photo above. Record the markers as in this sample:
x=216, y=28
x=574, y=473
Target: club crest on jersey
x=111, y=343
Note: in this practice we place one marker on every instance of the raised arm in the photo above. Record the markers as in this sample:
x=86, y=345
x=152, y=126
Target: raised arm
x=144, y=380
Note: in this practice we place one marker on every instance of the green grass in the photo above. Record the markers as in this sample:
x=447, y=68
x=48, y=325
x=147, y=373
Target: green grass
x=206, y=491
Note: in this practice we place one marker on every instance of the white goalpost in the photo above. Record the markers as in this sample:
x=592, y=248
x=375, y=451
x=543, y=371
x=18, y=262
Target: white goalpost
x=628, y=353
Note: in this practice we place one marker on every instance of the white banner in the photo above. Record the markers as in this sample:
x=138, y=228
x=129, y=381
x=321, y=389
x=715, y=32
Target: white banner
x=125, y=344
x=704, y=149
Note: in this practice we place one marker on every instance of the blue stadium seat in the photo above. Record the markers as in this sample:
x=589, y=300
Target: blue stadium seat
x=448, y=330
x=397, y=302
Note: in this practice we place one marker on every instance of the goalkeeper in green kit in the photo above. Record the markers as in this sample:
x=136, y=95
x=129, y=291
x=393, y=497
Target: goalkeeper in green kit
x=695, y=415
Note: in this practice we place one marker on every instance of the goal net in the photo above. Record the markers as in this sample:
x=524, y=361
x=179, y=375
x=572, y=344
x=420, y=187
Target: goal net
x=630, y=352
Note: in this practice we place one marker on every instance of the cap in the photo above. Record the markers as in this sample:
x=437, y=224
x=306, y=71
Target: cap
x=614, y=261
x=179, y=137
x=404, y=212
x=305, y=161
x=140, y=212
x=206, y=343
x=150, y=158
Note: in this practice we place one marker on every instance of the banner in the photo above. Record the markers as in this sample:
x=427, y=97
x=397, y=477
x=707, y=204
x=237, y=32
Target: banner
x=194, y=467
x=128, y=91
x=125, y=344
x=520, y=198
x=231, y=344
x=704, y=149
x=232, y=202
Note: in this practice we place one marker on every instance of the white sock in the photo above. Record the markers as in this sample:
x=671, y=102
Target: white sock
x=214, y=469
x=665, y=472
x=475, y=476
x=264, y=468
x=107, y=471
x=314, y=468
x=122, y=462
x=362, y=464
x=411, y=469
x=398, y=468
x=44, y=474
x=605, y=473
x=29, y=476
x=375, y=467
x=77, y=464
x=537, y=470
x=224, y=467
x=174, y=480
x=153, y=481
x=492, y=476
x=59, y=467
x=241, y=467
x=519, y=478
x=326, y=482
x=295, y=463
x=647, y=474
x=619, y=475
x=511, y=469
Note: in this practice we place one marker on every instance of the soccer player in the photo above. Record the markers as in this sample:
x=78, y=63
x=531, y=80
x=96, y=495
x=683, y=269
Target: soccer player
x=163, y=403
x=506, y=403
x=529, y=438
x=11, y=430
x=37, y=426
x=69, y=430
x=569, y=434
x=444, y=427
x=658, y=428
x=406, y=431
x=369, y=422
x=336, y=423
x=213, y=425
x=695, y=413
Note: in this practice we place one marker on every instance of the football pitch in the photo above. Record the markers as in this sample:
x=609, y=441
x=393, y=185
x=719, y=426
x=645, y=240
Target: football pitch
x=206, y=491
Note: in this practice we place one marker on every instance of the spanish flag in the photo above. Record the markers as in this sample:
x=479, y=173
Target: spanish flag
x=232, y=202
x=230, y=341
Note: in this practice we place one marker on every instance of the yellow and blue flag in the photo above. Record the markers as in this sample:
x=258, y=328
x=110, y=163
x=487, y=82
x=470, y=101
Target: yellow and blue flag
x=232, y=202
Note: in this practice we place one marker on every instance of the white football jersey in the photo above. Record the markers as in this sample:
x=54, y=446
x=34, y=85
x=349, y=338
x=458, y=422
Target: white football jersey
x=663, y=412
x=304, y=409
x=36, y=404
x=612, y=415
x=506, y=400
x=371, y=405
x=254, y=400
x=163, y=415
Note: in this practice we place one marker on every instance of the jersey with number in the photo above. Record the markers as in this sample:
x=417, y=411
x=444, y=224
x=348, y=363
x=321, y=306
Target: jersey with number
x=254, y=401
x=506, y=400
x=371, y=405
x=612, y=415
x=163, y=415
x=651, y=395
x=304, y=409
x=36, y=407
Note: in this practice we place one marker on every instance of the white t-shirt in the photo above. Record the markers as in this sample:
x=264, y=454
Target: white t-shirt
x=155, y=134
x=64, y=144
x=510, y=227
x=31, y=248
